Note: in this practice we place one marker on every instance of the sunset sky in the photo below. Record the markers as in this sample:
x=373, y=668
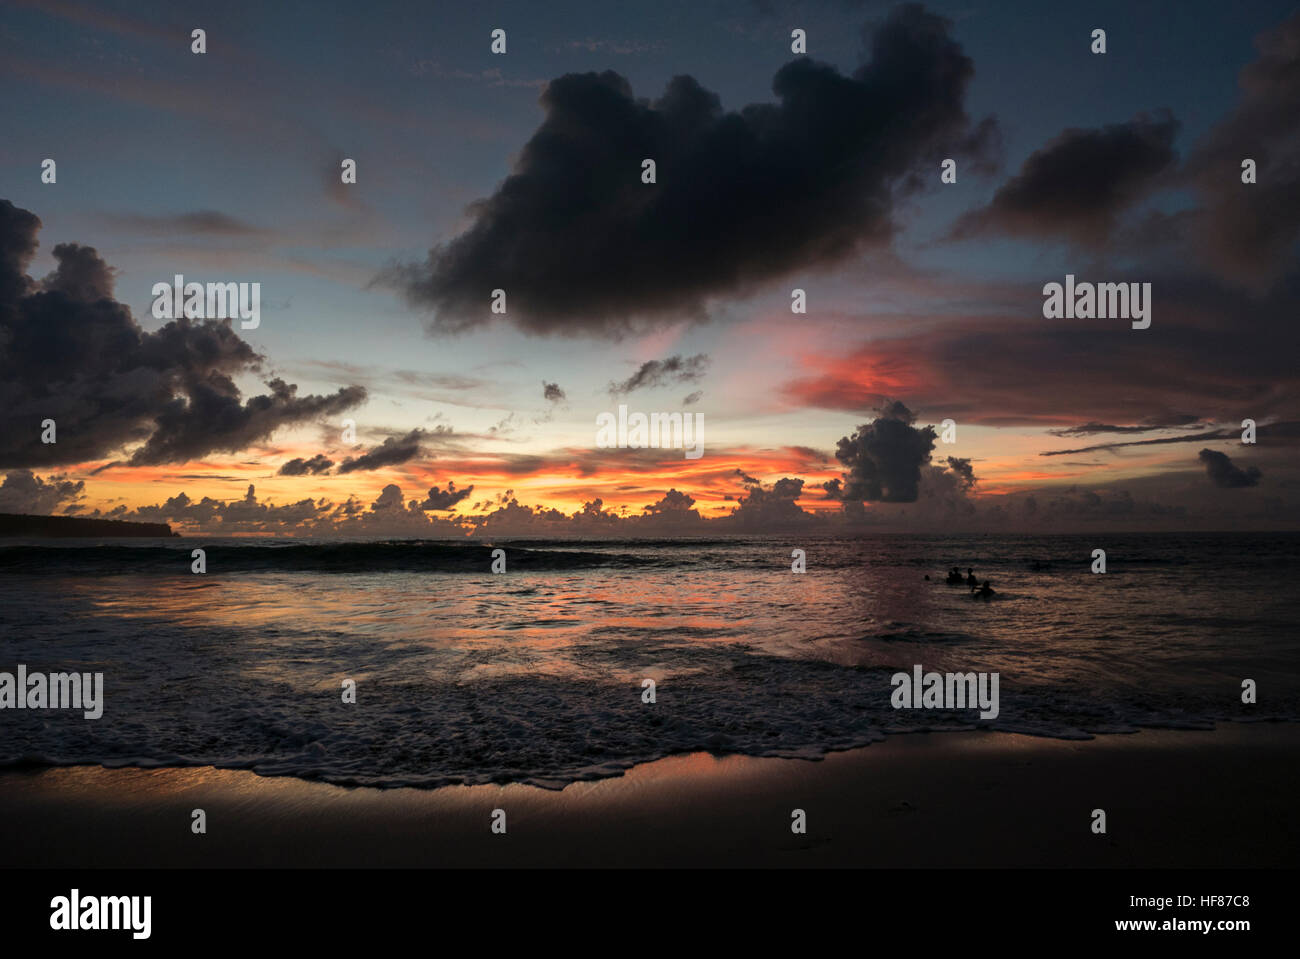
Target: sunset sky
x=775, y=171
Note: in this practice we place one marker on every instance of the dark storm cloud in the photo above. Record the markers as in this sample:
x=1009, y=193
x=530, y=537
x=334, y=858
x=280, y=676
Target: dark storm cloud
x=71, y=353
x=884, y=458
x=552, y=393
x=1225, y=474
x=301, y=467
x=1080, y=182
x=445, y=499
x=393, y=451
x=654, y=373
x=582, y=246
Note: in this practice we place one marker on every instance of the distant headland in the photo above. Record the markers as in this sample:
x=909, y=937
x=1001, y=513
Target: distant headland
x=17, y=524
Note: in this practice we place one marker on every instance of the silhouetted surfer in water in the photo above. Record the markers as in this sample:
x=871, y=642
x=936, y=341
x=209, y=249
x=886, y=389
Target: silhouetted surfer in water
x=983, y=592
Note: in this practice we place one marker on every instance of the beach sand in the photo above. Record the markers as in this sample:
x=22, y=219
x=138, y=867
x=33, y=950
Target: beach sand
x=1222, y=798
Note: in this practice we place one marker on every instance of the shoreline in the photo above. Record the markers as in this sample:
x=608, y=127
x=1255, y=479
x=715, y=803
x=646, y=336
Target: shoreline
x=1219, y=798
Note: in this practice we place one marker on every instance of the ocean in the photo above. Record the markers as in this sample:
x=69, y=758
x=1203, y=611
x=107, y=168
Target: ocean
x=536, y=675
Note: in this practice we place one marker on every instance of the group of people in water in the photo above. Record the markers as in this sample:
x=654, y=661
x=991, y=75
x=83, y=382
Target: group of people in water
x=977, y=589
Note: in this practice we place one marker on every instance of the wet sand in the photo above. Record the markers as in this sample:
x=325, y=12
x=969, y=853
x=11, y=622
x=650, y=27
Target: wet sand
x=1222, y=798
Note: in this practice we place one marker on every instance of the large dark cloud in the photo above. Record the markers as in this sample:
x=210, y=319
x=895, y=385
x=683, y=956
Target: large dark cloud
x=71, y=353
x=1225, y=474
x=581, y=245
x=1080, y=182
x=884, y=458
